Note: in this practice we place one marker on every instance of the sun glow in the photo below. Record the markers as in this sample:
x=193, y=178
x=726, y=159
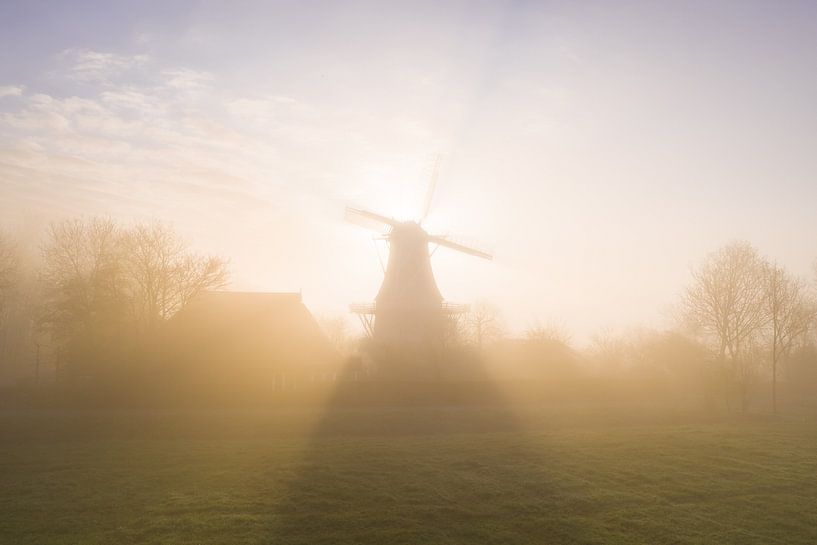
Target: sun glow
x=397, y=187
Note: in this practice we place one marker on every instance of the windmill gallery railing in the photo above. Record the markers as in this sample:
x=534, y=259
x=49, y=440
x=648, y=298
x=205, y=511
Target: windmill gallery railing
x=366, y=312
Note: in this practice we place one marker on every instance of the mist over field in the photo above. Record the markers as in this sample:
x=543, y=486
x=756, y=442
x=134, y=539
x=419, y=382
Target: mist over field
x=355, y=272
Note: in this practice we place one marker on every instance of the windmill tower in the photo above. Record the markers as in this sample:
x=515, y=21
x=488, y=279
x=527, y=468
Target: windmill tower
x=408, y=311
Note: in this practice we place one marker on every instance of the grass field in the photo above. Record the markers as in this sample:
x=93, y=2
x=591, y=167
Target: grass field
x=407, y=476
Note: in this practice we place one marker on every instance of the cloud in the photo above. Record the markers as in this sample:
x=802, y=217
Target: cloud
x=134, y=148
x=11, y=90
x=185, y=79
x=128, y=135
x=134, y=101
x=88, y=66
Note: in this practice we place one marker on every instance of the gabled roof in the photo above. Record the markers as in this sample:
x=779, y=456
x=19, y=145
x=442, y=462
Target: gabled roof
x=245, y=303
x=250, y=329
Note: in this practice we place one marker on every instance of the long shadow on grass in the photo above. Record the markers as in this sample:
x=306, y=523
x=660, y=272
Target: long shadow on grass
x=414, y=462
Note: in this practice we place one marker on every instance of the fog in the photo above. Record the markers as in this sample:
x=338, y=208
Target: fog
x=599, y=157
x=596, y=154
x=408, y=272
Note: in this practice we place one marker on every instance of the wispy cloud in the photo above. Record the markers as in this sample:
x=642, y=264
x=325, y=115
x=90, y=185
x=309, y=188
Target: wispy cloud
x=90, y=66
x=147, y=134
x=187, y=80
x=11, y=90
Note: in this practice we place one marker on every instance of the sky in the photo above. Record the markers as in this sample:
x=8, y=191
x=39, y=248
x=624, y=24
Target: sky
x=598, y=150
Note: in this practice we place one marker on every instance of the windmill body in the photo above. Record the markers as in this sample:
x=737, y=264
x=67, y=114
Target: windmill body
x=409, y=312
x=408, y=305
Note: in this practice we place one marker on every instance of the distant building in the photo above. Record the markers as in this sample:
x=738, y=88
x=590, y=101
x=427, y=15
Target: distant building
x=249, y=342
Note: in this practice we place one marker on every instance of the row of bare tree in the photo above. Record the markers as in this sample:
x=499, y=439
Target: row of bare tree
x=750, y=312
x=95, y=291
x=742, y=321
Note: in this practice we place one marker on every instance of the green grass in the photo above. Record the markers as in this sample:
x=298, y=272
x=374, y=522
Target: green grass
x=406, y=476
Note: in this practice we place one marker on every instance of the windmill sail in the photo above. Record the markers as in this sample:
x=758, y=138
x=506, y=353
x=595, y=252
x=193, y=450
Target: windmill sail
x=432, y=187
x=444, y=241
x=409, y=310
x=354, y=215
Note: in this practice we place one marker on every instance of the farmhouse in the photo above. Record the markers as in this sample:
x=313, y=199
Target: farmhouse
x=249, y=341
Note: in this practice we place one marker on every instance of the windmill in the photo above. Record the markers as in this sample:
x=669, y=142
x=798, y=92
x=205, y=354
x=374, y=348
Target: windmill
x=408, y=310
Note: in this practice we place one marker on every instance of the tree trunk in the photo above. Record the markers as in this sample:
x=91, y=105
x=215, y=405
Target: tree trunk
x=774, y=382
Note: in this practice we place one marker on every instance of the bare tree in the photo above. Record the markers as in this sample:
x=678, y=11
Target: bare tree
x=726, y=303
x=84, y=295
x=103, y=285
x=19, y=305
x=483, y=324
x=790, y=313
x=9, y=269
x=153, y=253
x=611, y=353
x=454, y=331
x=9, y=289
x=547, y=334
x=82, y=265
x=338, y=332
x=195, y=274
x=164, y=275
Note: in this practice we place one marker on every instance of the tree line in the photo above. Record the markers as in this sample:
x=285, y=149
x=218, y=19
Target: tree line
x=742, y=322
x=95, y=294
x=93, y=298
x=753, y=315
